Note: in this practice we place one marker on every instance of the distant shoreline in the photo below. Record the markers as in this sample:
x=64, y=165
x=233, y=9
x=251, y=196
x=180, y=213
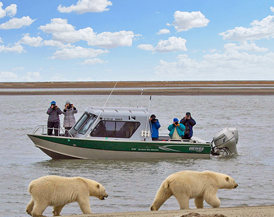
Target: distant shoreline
x=136, y=87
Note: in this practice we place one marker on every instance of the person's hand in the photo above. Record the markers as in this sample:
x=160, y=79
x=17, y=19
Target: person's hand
x=72, y=105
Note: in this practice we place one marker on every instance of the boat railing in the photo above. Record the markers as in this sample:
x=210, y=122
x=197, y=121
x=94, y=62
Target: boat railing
x=43, y=130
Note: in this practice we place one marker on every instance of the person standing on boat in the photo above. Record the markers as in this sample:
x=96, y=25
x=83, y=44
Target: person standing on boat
x=176, y=129
x=69, y=119
x=53, y=119
x=154, y=127
x=189, y=123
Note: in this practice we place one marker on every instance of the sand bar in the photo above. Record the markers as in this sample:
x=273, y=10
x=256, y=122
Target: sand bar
x=136, y=87
x=252, y=211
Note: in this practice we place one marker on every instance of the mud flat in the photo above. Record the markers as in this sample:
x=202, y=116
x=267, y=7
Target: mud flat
x=252, y=211
x=136, y=87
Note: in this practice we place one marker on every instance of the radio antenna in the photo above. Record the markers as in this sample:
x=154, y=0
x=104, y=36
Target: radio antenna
x=98, y=117
x=140, y=97
x=110, y=94
x=149, y=103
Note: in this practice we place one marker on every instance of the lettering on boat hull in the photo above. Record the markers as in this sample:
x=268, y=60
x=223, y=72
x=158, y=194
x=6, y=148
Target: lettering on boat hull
x=197, y=149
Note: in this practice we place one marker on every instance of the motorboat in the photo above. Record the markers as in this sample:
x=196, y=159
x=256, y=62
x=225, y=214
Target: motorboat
x=125, y=133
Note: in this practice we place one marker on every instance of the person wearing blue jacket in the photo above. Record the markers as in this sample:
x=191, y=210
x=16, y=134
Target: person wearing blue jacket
x=177, y=130
x=189, y=123
x=154, y=127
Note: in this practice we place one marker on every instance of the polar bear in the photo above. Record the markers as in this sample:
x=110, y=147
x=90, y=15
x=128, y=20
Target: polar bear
x=185, y=185
x=57, y=191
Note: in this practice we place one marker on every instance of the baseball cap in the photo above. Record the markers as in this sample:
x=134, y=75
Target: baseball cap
x=175, y=120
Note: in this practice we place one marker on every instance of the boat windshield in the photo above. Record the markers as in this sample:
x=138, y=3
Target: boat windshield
x=117, y=129
x=84, y=123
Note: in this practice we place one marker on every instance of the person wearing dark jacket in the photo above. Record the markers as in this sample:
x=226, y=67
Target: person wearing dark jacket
x=53, y=119
x=189, y=122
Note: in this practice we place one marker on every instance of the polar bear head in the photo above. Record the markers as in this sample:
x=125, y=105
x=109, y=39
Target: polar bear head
x=225, y=181
x=96, y=189
x=229, y=183
x=100, y=192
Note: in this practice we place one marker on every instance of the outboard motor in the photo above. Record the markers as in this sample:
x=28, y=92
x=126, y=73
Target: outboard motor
x=225, y=142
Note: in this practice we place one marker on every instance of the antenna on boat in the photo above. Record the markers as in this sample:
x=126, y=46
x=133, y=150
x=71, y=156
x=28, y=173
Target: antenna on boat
x=110, y=94
x=95, y=122
x=140, y=97
x=149, y=103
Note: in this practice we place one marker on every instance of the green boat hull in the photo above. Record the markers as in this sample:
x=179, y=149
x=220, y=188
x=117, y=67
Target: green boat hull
x=106, y=148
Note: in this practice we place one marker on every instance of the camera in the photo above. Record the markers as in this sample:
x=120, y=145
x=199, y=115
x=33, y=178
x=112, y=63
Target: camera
x=153, y=119
x=69, y=106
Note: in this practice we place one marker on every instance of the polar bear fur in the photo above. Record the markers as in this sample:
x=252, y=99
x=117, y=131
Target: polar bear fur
x=185, y=185
x=57, y=191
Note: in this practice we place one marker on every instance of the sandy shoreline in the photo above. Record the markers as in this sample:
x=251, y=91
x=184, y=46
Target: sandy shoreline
x=252, y=211
x=135, y=88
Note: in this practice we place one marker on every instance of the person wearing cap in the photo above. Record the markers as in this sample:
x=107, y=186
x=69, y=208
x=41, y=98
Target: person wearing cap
x=69, y=119
x=154, y=127
x=176, y=129
x=53, y=119
x=189, y=123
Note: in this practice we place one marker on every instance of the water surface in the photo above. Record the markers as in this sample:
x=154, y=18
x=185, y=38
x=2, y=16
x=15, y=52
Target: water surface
x=132, y=185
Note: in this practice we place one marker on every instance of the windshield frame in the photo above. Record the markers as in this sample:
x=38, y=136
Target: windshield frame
x=84, y=123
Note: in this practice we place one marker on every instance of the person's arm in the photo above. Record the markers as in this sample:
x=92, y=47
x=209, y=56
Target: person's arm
x=192, y=122
x=157, y=124
x=59, y=112
x=170, y=127
x=182, y=127
x=49, y=111
x=183, y=121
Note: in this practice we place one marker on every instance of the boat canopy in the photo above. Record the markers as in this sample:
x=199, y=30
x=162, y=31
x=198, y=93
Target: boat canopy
x=117, y=111
x=113, y=122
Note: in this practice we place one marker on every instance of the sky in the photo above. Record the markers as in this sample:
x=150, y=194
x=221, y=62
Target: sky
x=136, y=40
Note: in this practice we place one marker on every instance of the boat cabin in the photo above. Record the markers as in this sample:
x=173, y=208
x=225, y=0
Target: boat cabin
x=113, y=123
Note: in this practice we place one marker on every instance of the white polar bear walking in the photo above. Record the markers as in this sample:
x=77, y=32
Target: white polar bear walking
x=58, y=191
x=185, y=185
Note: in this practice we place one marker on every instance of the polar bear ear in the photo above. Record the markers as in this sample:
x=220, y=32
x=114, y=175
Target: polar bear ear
x=227, y=178
x=97, y=186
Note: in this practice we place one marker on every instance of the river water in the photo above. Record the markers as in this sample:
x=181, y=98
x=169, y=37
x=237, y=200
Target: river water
x=132, y=185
